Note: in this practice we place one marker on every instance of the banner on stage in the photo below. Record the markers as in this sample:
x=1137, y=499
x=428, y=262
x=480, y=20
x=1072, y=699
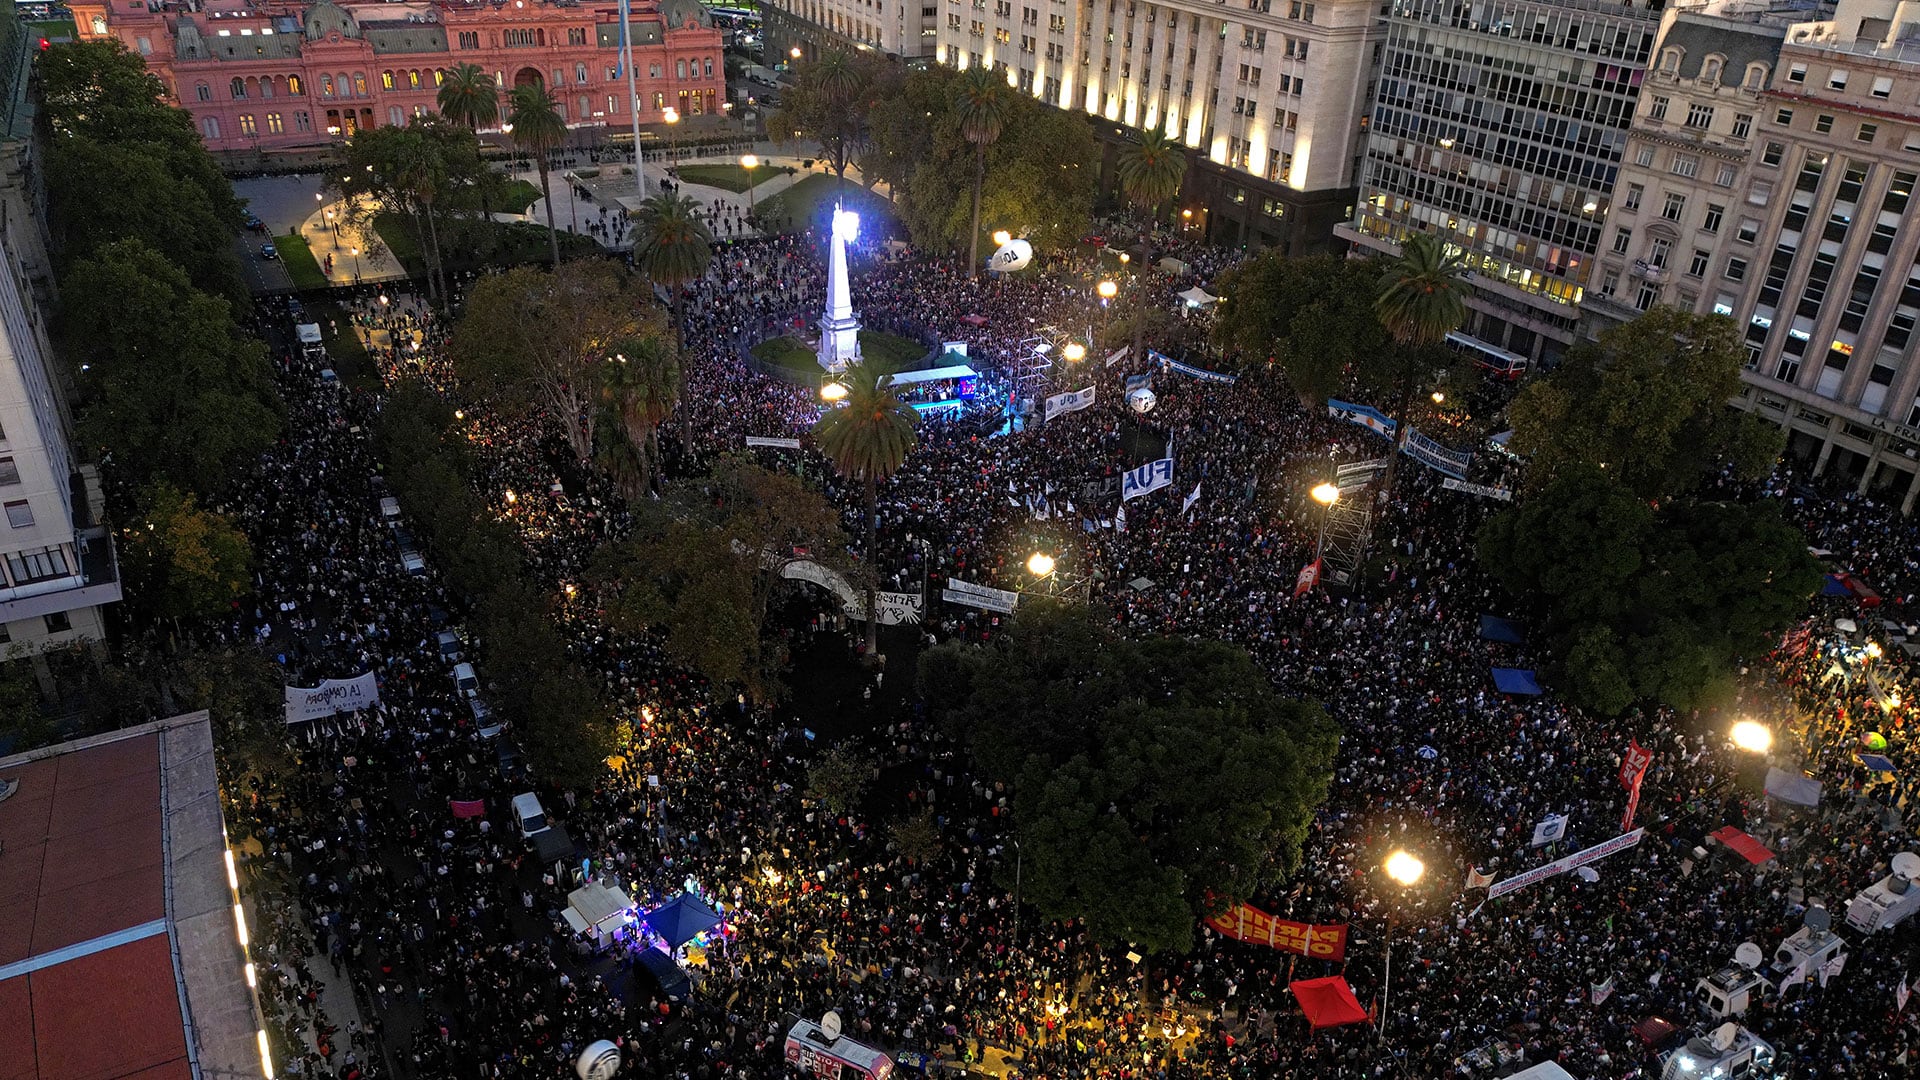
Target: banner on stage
x=1560, y=866
x=783, y=444
x=1436, y=457
x=1365, y=415
x=1061, y=404
x=1147, y=479
x=970, y=595
x=1244, y=922
x=1190, y=371
x=1358, y=473
x=1485, y=491
x=332, y=696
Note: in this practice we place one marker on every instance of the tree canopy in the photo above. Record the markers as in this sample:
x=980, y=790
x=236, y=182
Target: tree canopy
x=1648, y=404
x=1640, y=604
x=182, y=560
x=1309, y=318
x=831, y=102
x=1152, y=779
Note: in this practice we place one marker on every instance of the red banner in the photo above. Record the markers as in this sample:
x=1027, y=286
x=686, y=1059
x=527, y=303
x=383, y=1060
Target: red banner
x=1245, y=922
x=466, y=808
x=1633, y=769
x=1309, y=577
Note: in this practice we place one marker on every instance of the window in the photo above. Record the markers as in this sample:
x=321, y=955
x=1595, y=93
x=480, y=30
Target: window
x=293, y=84
x=1883, y=87
x=302, y=122
x=9, y=472
x=275, y=126
x=1760, y=192
x=1634, y=192
x=1675, y=208
x=1797, y=73
x=1686, y=165
x=580, y=73
x=1756, y=77
x=237, y=89
x=1697, y=266
x=1657, y=253
x=203, y=92
x=1644, y=158
x=1783, y=117
x=1699, y=116
x=1736, y=269
x=1742, y=125
x=1866, y=133
x=211, y=127
x=1622, y=240
x=413, y=80
x=1649, y=295
x=28, y=567
x=58, y=622
x=247, y=127
x=1772, y=154
x=1715, y=213
x=1610, y=283
x=1659, y=110
x=1836, y=79
x=577, y=35
x=386, y=80
x=1899, y=190
x=1724, y=176
x=20, y=514
x=469, y=39
x=1823, y=123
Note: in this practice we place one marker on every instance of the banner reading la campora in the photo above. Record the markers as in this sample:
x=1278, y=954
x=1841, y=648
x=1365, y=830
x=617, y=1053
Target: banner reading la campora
x=1244, y=922
x=332, y=696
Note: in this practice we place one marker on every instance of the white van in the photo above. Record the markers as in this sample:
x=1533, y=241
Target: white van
x=413, y=564
x=527, y=811
x=465, y=681
x=389, y=508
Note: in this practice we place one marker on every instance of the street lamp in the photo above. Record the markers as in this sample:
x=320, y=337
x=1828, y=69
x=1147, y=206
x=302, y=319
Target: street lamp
x=1001, y=237
x=1107, y=290
x=1751, y=736
x=1326, y=495
x=794, y=53
x=749, y=162
x=1040, y=564
x=356, y=266
x=1439, y=398
x=1074, y=351
x=672, y=116
x=1405, y=870
x=833, y=392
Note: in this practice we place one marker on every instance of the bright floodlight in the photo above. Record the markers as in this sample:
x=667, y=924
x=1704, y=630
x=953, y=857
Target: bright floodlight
x=1404, y=868
x=1001, y=237
x=846, y=224
x=1039, y=564
x=1751, y=736
x=1325, y=494
x=834, y=391
x=1439, y=398
x=1076, y=351
x=670, y=114
x=1107, y=289
x=749, y=161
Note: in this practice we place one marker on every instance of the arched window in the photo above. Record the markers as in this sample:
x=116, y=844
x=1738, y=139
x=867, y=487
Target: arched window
x=386, y=80
x=293, y=84
x=203, y=92
x=266, y=86
x=359, y=84
x=344, y=85
x=238, y=87
x=1670, y=61
x=413, y=80
x=1710, y=69
x=439, y=76
x=99, y=24
x=1756, y=77
x=326, y=86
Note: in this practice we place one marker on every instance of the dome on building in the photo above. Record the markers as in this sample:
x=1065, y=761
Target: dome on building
x=680, y=14
x=327, y=18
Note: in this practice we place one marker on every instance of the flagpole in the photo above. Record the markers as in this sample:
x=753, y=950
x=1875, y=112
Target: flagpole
x=633, y=92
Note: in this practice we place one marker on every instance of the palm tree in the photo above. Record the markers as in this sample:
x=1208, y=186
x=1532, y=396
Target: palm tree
x=640, y=387
x=537, y=127
x=1422, y=298
x=980, y=103
x=1149, y=172
x=867, y=437
x=469, y=97
x=673, y=246
x=423, y=174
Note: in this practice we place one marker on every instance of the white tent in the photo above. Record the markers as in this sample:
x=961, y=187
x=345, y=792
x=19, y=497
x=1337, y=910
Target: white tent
x=1198, y=297
x=597, y=906
x=309, y=333
x=1546, y=1070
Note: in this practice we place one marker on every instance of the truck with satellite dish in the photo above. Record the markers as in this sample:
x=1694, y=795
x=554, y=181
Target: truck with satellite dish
x=818, y=1049
x=1736, y=987
x=1886, y=902
x=1729, y=1051
x=1808, y=951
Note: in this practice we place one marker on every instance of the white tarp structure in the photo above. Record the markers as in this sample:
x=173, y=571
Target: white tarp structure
x=957, y=371
x=309, y=333
x=1546, y=1070
x=597, y=906
x=1198, y=297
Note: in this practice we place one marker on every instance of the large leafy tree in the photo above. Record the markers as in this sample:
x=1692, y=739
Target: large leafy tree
x=174, y=393
x=830, y=103
x=1152, y=779
x=1643, y=604
x=1647, y=403
x=469, y=97
x=532, y=337
x=1310, y=317
x=183, y=560
x=868, y=436
x=696, y=569
x=539, y=129
x=980, y=106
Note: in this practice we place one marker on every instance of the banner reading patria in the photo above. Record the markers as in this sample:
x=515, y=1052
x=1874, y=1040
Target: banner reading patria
x=332, y=696
x=1244, y=922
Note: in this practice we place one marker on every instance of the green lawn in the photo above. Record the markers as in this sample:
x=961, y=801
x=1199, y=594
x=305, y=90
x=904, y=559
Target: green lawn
x=520, y=195
x=54, y=30
x=727, y=176
x=797, y=355
x=811, y=202
x=302, y=267
x=470, y=243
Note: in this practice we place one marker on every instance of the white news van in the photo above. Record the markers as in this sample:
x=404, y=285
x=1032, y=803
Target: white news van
x=810, y=1051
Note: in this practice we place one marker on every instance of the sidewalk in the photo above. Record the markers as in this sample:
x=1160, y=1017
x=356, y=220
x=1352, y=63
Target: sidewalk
x=339, y=237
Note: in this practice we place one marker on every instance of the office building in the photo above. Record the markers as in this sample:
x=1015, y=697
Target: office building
x=903, y=29
x=1500, y=126
x=272, y=75
x=1771, y=179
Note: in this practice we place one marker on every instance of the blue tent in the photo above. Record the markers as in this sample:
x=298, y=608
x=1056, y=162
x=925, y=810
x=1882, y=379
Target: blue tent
x=681, y=919
x=1876, y=762
x=1495, y=628
x=1834, y=587
x=1516, y=681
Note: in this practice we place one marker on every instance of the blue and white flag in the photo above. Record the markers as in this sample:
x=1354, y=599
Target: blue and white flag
x=1061, y=404
x=1187, y=503
x=1142, y=381
x=1189, y=370
x=1549, y=830
x=1365, y=415
x=1436, y=457
x=1147, y=479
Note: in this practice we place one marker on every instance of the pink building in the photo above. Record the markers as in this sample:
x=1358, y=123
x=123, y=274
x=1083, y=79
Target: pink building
x=278, y=75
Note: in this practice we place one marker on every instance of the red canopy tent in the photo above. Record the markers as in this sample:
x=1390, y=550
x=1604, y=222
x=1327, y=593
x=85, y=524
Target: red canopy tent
x=1328, y=1002
x=1746, y=846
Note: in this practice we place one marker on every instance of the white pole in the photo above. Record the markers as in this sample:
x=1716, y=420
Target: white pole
x=633, y=94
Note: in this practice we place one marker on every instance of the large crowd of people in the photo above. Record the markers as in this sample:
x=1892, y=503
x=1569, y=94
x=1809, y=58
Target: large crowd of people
x=450, y=932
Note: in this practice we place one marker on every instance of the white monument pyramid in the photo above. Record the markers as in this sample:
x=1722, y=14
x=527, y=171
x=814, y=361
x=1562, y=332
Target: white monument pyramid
x=839, y=327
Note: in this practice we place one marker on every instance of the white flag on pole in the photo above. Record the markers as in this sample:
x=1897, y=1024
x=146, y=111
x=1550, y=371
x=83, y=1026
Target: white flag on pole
x=1550, y=830
x=1187, y=503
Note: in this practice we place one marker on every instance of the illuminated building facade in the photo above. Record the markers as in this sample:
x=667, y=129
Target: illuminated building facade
x=1500, y=125
x=272, y=75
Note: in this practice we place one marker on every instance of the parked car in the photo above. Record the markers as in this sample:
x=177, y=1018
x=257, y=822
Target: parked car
x=529, y=814
x=268, y=251
x=254, y=223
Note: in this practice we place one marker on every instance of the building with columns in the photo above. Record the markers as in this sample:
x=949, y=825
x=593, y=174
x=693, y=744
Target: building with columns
x=1770, y=177
x=266, y=75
